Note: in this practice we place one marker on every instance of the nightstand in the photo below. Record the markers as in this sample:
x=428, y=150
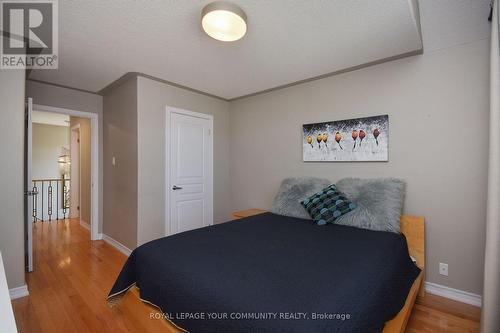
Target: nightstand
x=247, y=212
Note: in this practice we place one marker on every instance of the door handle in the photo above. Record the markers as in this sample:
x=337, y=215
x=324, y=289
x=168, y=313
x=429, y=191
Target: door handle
x=30, y=193
x=175, y=188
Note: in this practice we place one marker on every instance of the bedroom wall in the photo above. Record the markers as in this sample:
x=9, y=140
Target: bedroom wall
x=438, y=108
x=12, y=175
x=120, y=180
x=55, y=96
x=134, y=133
x=153, y=97
x=51, y=95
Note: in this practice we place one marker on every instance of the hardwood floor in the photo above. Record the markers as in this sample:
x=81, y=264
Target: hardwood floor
x=438, y=314
x=73, y=275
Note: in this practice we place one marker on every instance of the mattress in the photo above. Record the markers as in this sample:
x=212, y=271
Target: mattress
x=271, y=273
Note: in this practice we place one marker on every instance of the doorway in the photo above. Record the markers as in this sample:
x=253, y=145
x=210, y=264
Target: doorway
x=189, y=170
x=72, y=175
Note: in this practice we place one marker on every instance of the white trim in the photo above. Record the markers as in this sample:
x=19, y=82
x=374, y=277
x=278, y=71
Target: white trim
x=74, y=212
x=117, y=245
x=454, y=294
x=84, y=224
x=169, y=110
x=28, y=164
x=94, y=150
x=19, y=292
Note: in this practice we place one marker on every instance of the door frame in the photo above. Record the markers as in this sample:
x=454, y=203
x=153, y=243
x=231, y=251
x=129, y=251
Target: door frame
x=94, y=165
x=168, y=184
x=77, y=129
x=28, y=203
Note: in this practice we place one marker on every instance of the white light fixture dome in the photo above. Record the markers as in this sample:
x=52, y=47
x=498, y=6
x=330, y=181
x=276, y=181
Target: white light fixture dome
x=224, y=21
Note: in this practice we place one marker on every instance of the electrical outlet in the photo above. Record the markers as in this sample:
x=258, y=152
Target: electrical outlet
x=443, y=269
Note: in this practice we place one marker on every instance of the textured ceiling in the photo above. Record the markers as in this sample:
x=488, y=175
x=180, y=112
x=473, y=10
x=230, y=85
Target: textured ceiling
x=287, y=41
x=447, y=23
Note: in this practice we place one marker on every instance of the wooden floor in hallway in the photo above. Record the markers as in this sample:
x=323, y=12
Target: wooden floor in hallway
x=73, y=275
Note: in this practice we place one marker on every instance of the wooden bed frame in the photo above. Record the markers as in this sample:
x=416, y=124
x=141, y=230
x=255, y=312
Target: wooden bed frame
x=144, y=317
x=413, y=227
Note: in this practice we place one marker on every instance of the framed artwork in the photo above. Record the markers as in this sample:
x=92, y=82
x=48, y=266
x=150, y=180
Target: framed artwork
x=361, y=139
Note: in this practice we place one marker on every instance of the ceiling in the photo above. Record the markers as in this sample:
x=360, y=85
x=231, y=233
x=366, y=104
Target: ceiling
x=49, y=118
x=287, y=41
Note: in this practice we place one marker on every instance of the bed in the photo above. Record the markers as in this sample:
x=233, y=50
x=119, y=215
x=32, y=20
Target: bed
x=280, y=273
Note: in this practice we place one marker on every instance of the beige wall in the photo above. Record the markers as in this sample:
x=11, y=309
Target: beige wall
x=50, y=95
x=153, y=97
x=120, y=180
x=134, y=190
x=85, y=167
x=11, y=175
x=48, y=141
x=47, y=94
x=438, y=109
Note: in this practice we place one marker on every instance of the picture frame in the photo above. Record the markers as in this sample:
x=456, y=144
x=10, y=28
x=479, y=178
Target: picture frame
x=351, y=140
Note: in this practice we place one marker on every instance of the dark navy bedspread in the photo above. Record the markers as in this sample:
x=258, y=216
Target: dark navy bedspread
x=270, y=273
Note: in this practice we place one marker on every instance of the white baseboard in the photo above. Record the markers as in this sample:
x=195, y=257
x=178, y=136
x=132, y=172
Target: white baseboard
x=454, y=294
x=116, y=244
x=84, y=224
x=19, y=292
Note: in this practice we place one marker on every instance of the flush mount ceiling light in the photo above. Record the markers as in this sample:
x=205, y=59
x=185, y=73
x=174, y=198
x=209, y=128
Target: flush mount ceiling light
x=224, y=21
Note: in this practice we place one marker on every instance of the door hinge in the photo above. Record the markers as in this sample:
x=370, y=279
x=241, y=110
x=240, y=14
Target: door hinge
x=77, y=207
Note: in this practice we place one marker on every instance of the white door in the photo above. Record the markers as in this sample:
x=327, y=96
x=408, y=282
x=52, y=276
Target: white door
x=28, y=186
x=189, y=170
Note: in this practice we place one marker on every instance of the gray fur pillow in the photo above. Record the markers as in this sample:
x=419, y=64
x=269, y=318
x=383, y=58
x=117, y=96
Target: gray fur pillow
x=379, y=203
x=293, y=191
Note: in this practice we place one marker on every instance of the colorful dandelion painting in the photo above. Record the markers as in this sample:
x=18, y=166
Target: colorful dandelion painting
x=361, y=139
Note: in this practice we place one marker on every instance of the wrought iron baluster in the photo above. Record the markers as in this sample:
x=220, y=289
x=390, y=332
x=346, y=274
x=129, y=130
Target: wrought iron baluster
x=49, y=200
x=68, y=196
x=45, y=197
x=64, y=198
x=57, y=199
x=43, y=194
